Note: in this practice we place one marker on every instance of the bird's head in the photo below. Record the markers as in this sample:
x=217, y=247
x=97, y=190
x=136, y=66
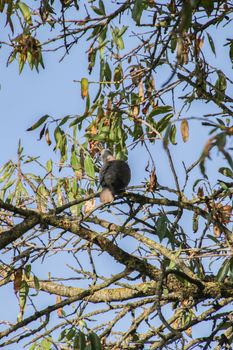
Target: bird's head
x=107, y=156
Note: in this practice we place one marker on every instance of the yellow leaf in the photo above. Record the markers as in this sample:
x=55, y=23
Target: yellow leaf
x=188, y=331
x=184, y=128
x=84, y=87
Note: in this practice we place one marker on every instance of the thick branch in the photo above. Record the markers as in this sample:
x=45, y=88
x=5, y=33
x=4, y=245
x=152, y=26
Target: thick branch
x=9, y=236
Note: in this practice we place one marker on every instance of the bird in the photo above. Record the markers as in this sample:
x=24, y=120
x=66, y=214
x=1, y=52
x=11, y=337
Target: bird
x=114, y=176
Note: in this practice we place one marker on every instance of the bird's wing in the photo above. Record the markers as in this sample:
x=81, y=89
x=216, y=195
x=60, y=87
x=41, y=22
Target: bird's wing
x=115, y=175
x=103, y=171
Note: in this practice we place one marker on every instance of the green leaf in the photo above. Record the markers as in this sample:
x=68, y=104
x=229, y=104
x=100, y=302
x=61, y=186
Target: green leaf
x=137, y=11
x=164, y=122
x=107, y=73
x=160, y=110
x=208, y=6
x=231, y=51
x=21, y=61
x=25, y=12
x=161, y=227
x=102, y=8
x=172, y=135
x=23, y=293
x=220, y=85
x=74, y=161
x=36, y=283
x=166, y=137
x=118, y=75
x=28, y=270
x=49, y=165
x=64, y=120
x=58, y=135
x=71, y=333
x=226, y=172
x=84, y=87
x=98, y=11
x=223, y=271
x=231, y=268
x=211, y=42
x=8, y=185
x=95, y=341
x=79, y=341
x=78, y=120
x=89, y=167
x=38, y=123
x=186, y=16
x=214, y=239
x=46, y=344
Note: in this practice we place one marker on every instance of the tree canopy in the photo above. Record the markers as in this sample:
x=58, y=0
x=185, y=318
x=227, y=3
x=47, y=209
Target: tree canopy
x=154, y=268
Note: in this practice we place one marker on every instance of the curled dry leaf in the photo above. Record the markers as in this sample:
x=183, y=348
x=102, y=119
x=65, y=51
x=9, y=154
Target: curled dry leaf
x=220, y=212
x=217, y=231
x=18, y=277
x=199, y=42
x=200, y=192
x=94, y=147
x=226, y=213
x=184, y=128
x=89, y=205
x=47, y=137
x=153, y=181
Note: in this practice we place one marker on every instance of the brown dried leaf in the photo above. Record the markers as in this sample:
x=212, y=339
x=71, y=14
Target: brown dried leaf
x=95, y=147
x=59, y=311
x=221, y=213
x=18, y=277
x=226, y=213
x=47, y=137
x=153, y=181
x=199, y=42
x=184, y=128
x=217, y=231
x=200, y=192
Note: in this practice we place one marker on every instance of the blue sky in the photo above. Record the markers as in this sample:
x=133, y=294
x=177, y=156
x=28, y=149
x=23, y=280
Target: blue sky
x=26, y=97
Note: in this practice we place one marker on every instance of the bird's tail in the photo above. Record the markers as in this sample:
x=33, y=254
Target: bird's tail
x=106, y=195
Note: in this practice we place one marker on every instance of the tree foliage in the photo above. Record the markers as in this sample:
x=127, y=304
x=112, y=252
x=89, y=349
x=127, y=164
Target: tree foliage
x=154, y=76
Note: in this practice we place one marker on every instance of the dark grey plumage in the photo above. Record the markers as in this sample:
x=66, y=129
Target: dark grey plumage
x=114, y=176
